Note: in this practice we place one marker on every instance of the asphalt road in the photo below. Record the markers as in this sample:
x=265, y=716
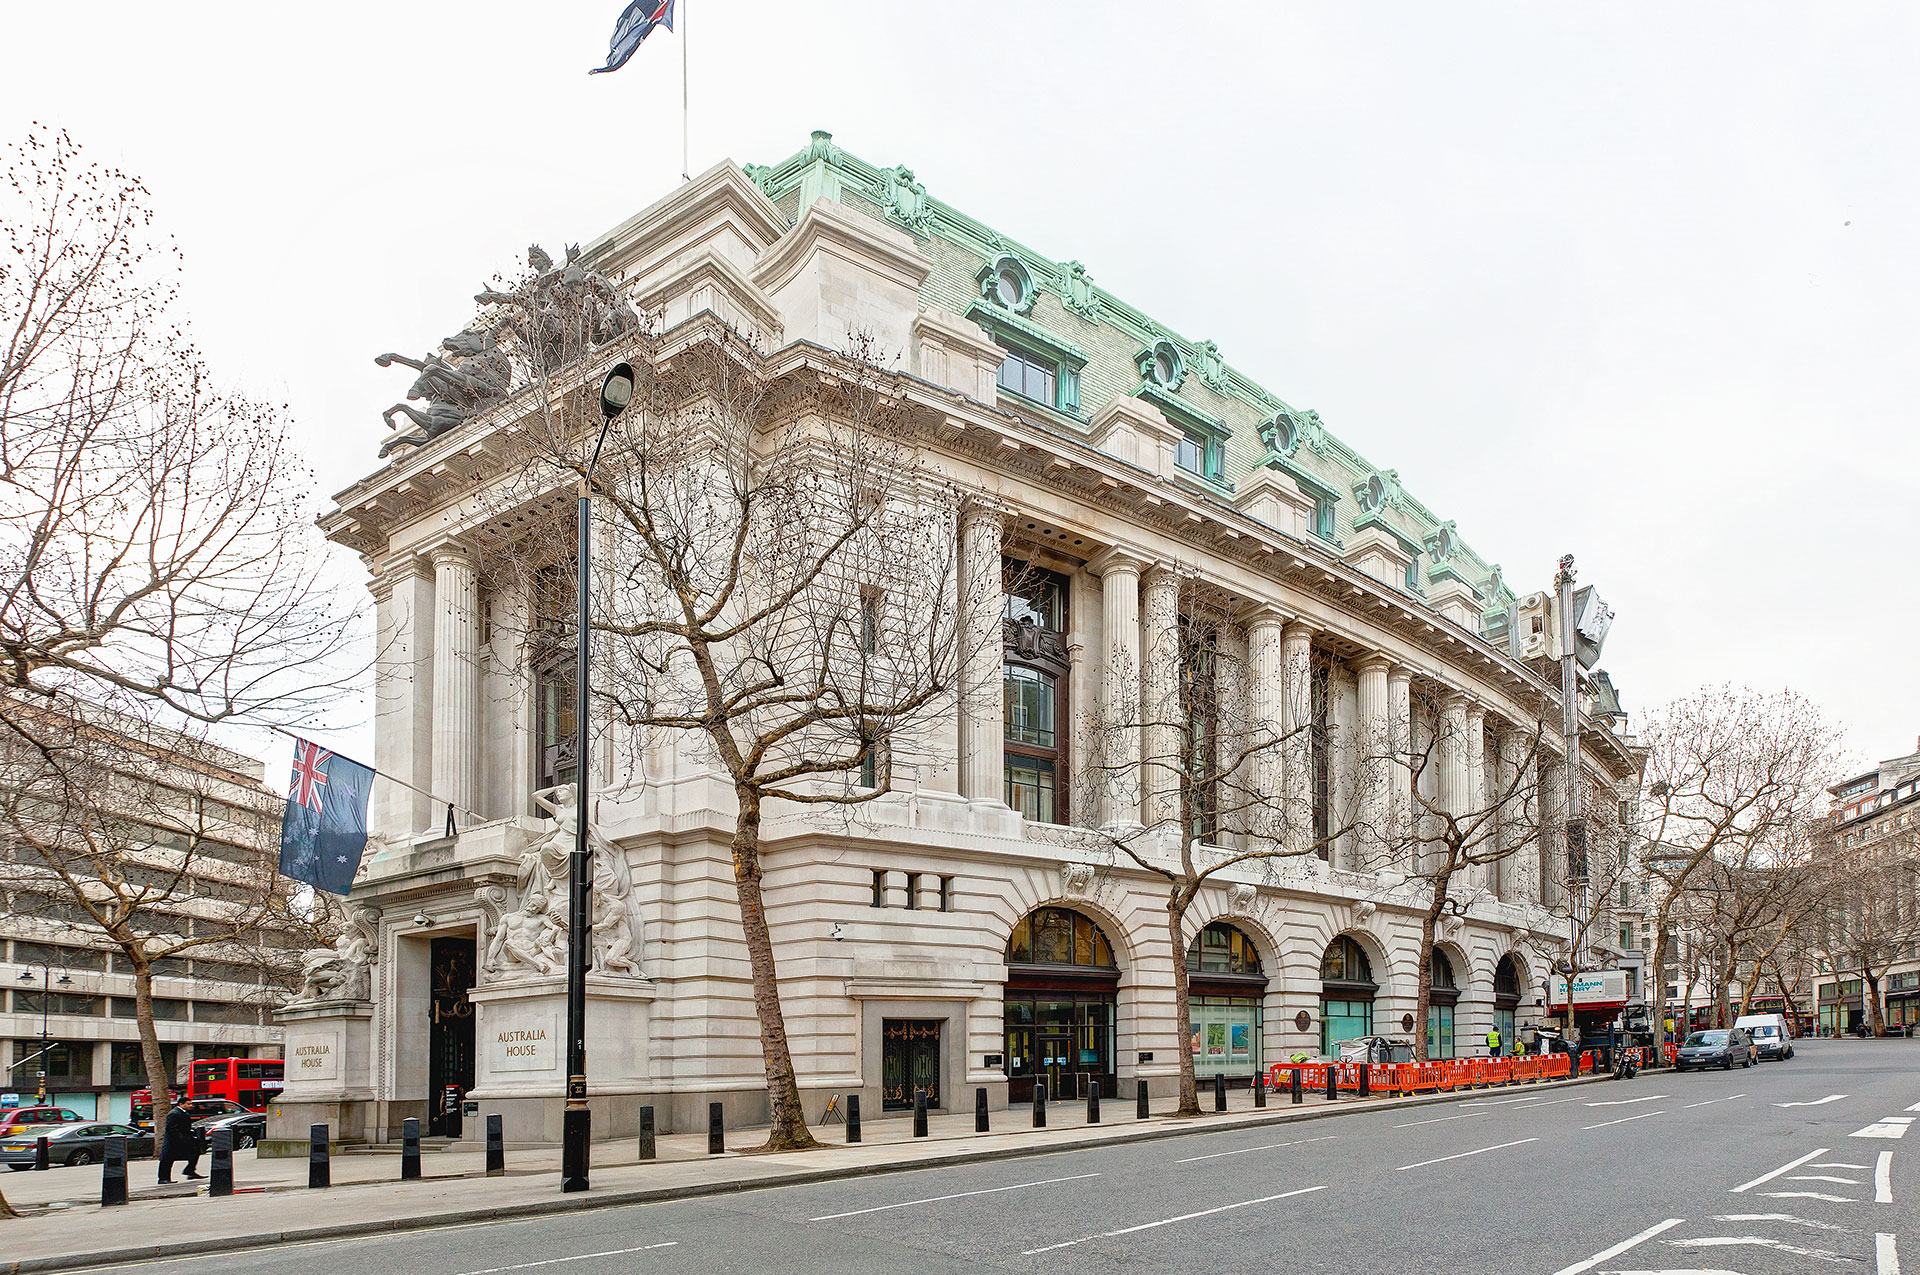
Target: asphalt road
x=1788, y=1167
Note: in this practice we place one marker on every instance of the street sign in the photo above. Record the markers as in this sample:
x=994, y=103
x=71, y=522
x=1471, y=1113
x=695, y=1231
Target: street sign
x=1594, y=988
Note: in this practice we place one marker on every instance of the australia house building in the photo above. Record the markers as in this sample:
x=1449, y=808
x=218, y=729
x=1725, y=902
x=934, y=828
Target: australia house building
x=966, y=932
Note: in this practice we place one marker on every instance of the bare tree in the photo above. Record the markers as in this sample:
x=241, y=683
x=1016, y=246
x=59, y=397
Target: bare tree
x=1869, y=908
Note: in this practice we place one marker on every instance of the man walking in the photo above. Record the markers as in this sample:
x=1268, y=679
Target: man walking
x=179, y=1141
x=1493, y=1043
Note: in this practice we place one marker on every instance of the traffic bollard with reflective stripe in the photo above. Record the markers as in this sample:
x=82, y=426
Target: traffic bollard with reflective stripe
x=41, y=1158
x=1219, y=1091
x=1259, y=1088
x=319, y=1172
x=113, y=1173
x=979, y=1111
x=716, y=1129
x=1093, y=1102
x=919, y=1113
x=1298, y=1097
x=1139, y=1100
x=853, y=1117
x=220, y=1168
x=409, y=1149
x=647, y=1148
x=1039, y=1102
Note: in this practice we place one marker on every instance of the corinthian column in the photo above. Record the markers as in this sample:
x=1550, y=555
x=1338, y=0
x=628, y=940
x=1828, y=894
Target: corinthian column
x=1453, y=754
x=1266, y=676
x=1400, y=731
x=1118, y=754
x=1508, y=875
x=456, y=679
x=1374, y=753
x=982, y=688
x=1160, y=697
x=1296, y=658
x=1476, y=803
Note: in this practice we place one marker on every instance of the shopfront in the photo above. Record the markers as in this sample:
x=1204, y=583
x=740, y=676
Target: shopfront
x=1346, y=993
x=1506, y=1000
x=1062, y=997
x=1442, y=997
x=1842, y=1011
x=1225, y=986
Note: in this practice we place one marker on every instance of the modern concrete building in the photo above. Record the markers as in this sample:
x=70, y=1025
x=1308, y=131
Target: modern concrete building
x=1877, y=815
x=967, y=931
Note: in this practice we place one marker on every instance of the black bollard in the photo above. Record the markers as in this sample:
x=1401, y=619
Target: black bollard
x=647, y=1149
x=1333, y=1081
x=1298, y=1097
x=113, y=1173
x=220, y=1168
x=979, y=1111
x=409, y=1149
x=1093, y=1102
x=1139, y=1100
x=919, y=1113
x=1259, y=1089
x=41, y=1159
x=1039, y=1102
x=853, y=1117
x=319, y=1171
x=1219, y=1091
x=716, y=1129
x=1366, y=1080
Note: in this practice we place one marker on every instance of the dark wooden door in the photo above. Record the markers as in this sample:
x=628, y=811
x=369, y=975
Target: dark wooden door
x=449, y=1032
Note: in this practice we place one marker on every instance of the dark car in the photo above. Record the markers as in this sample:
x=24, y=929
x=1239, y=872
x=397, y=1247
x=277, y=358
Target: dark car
x=1721, y=1047
x=198, y=1108
x=21, y=1116
x=248, y=1128
x=81, y=1143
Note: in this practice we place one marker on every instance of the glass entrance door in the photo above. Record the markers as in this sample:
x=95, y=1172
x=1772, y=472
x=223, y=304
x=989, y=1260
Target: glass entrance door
x=1058, y=1062
x=909, y=1060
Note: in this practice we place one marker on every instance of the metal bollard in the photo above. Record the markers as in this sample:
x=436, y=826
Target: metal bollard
x=113, y=1173
x=1039, y=1102
x=1259, y=1088
x=41, y=1158
x=979, y=1111
x=853, y=1117
x=496, y=1147
x=319, y=1171
x=1139, y=1100
x=1298, y=1097
x=1220, y=1091
x=1366, y=1080
x=220, y=1168
x=1333, y=1081
x=919, y=1113
x=409, y=1149
x=1093, y=1102
x=716, y=1129
x=647, y=1148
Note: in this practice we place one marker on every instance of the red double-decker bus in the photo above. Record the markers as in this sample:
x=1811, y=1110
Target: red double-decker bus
x=251, y=1082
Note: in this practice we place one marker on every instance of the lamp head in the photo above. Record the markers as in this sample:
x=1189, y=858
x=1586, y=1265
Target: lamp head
x=617, y=390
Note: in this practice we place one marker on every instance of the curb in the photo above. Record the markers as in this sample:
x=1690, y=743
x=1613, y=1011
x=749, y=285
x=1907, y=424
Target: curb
x=653, y=1195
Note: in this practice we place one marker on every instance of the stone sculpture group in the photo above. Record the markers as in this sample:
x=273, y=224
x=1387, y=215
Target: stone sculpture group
x=345, y=970
x=531, y=939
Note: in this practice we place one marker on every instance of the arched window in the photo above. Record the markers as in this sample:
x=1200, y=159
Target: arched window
x=1345, y=962
x=1442, y=996
x=1222, y=949
x=1346, y=994
x=1224, y=990
x=1443, y=972
x=1059, y=936
x=1506, y=982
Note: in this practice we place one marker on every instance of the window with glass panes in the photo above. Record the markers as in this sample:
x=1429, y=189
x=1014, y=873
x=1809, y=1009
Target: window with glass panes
x=1034, y=679
x=1032, y=376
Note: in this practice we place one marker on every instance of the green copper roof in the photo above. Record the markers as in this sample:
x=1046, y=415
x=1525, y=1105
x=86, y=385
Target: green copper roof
x=1065, y=309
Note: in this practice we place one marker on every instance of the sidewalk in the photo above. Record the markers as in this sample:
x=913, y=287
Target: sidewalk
x=63, y=1227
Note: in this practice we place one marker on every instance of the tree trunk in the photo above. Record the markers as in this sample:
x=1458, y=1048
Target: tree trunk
x=159, y=1080
x=1660, y=944
x=1428, y=924
x=1870, y=986
x=6, y=1210
x=789, y=1121
x=1182, y=1006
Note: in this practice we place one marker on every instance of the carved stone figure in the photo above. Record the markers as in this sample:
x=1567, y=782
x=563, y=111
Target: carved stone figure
x=529, y=939
x=1241, y=898
x=532, y=938
x=1076, y=878
x=345, y=970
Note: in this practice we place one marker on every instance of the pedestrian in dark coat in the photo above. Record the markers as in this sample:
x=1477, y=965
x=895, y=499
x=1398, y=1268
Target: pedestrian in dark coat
x=180, y=1141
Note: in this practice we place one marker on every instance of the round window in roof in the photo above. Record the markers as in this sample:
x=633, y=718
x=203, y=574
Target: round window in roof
x=1006, y=283
x=1163, y=365
x=1376, y=493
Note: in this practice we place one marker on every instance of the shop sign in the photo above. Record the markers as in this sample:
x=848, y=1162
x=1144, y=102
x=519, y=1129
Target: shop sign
x=1600, y=987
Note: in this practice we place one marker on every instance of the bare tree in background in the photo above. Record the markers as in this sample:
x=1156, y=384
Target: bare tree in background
x=1869, y=909
x=158, y=560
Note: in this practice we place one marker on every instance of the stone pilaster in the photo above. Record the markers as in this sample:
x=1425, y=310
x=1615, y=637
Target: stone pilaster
x=1118, y=757
x=403, y=696
x=1374, y=754
x=1296, y=708
x=982, y=753
x=456, y=680
x=1160, y=665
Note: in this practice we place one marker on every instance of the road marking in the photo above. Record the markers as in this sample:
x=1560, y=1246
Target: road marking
x=935, y=1199
x=1788, y=1167
x=1890, y=1127
x=1619, y=1248
x=1840, y=1164
x=1886, y=1255
x=1184, y=1217
x=1914, y=1107
x=1628, y=1102
x=1817, y=1102
x=1507, y=1102
x=1758, y=1241
x=1823, y=1177
x=1709, y=1102
x=1883, y=1179
x=1464, y=1154
x=1271, y=1146
x=1777, y=1217
x=1535, y=1107
x=1416, y=1123
x=1808, y=1195
x=1624, y=1119
x=583, y=1257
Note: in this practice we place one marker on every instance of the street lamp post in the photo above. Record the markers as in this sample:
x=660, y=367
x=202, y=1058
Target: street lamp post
x=46, y=998
x=577, y=1121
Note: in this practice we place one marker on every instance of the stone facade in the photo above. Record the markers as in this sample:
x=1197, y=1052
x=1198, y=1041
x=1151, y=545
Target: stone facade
x=1123, y=458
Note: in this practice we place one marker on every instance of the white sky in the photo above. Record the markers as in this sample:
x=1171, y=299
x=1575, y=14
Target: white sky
x=1605, y=279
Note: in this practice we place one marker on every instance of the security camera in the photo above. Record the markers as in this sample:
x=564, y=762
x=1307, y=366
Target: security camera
x=839, y=933
x=422, y=919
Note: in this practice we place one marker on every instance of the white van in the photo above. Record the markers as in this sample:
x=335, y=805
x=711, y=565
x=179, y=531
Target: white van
x=1770, y=1035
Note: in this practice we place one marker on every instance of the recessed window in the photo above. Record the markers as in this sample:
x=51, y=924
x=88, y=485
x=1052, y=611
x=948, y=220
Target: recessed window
x=1190, y=453
x=1031, y=376
x=1035, y=596
x=1030, y=787
x=1162, y=365
x=879, y=888
x=1030, y=707
x=913, y=889
x=1323, y=519
x=946, y=894
x=1006, y=283
x=1009, y=288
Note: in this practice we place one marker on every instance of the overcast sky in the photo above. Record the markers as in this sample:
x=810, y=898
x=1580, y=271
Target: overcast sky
x=1620, y=281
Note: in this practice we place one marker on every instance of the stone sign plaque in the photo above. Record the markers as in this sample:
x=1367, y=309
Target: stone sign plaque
x=312, y=1057
x=531, y=1047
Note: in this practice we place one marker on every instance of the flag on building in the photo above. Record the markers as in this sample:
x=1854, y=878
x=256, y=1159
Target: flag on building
x=636, y=23
x=324, y=831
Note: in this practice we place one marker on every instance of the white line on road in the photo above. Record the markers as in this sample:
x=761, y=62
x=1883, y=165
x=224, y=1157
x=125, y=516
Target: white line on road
x=1808, y=1195
x=1271, y=1146
x=1628, y=1102
x=1619, y=1248
x=1788, y=1167
x=1464, y=1154
x=1888, y=1128
x=1535, y=1107
x=1823, y=1177
x=583, y=1257
x=1184, y=1217
x=1886, y=1254
x=1883, y=1179
x=1729, y=1241
x=1777, y=1217
x=1817, y=1102
x=1416, y=1123
x=1709, y=1102
x=1840, y=1164
x=1623, y=1120
x=1914, y=1107
x=935, y=1199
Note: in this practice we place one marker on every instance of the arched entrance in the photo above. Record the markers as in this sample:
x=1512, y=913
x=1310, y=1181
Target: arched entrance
x=1225, y=985
x=1506, y=1001
x=1442, y=996
x=1061, y=1000
x=1346, y=993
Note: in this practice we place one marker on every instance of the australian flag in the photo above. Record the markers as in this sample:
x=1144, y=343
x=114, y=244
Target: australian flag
x=324, y=831
x=636, y=23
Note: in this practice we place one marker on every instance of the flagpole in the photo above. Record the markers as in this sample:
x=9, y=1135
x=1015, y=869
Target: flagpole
x=434, y=797
x=685, y=168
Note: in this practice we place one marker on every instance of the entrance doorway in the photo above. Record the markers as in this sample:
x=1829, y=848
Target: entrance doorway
x=1061, y=1005
x=1346, y=994
x=909, y=1060
x=449, y=1033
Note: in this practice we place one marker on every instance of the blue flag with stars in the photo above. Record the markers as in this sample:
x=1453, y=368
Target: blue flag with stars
x=636, y=23
x=324, y=831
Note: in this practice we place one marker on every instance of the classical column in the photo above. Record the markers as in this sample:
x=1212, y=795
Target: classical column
x=1476, y=803
x=456, y=682
x=1233, y=692
x=1453, y=753
x=1552, y=805
x=1118, y=754
x=1296, y=659
x=1160, y=697
x=1266, y=676
x=1374, y=754
x=1512, y=750
x=1400, y=730
x=402, y=696
x=982, y=687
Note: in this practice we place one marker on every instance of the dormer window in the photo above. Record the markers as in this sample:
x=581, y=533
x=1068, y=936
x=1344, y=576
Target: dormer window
x=1162, y=364
x=1031, y=376
x=1413, y=575
x=1198, y=454
x=1323, y=519
x=1005, y=282
x=1373, y=494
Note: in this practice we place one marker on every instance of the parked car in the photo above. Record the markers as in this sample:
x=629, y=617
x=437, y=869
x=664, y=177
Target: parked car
x=84, y=1142
x=198, y=1108
x=1771, y=1037
x=248, y=1128
x=1721, y=1047
x=22, y=1116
